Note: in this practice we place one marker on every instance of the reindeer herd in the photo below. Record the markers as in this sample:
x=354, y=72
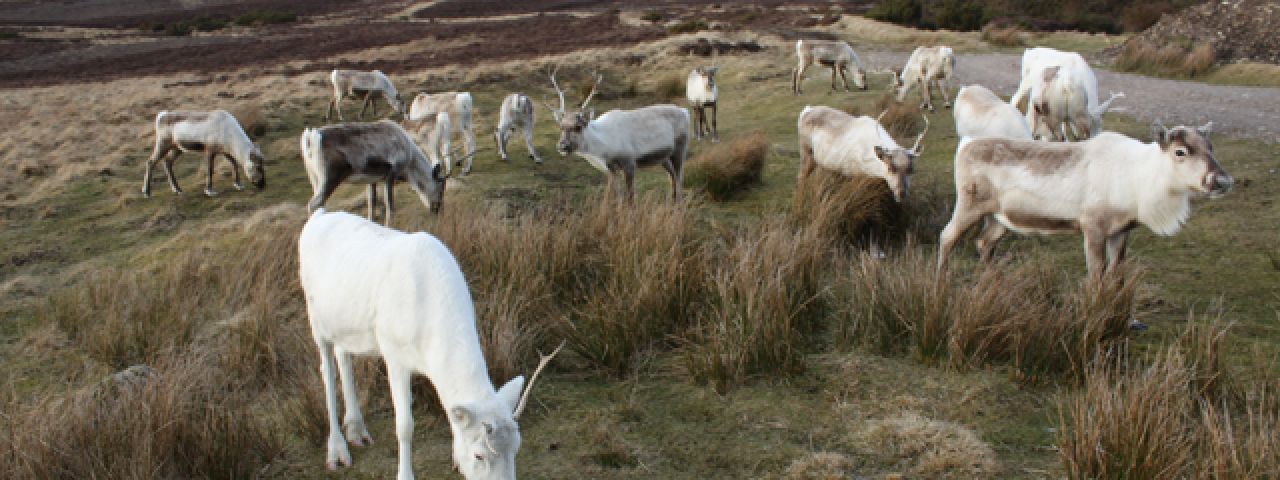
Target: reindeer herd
x=371, y=290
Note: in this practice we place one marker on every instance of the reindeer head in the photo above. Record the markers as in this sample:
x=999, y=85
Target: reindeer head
x=1190, y=154
x=572, y=123
x=430, y=188
x=253, y=167
x=707, y=75
x=486, y=437
x=900, y=163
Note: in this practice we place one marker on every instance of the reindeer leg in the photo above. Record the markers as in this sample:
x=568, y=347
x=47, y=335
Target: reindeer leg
x=946, y=100
x=715, y=131
x=528, y=142
x=389, y=193
x=499, y=136
x=209, y=155
x=337, y=452
x=159, y=152
x=168, y=170
x=962, y=219
x=992, y=231
x=373, y=200
x=235, y=168
x=797, y=77
x=1117, y=243
x=328, y=110
x=356, y=432
x=363, y=106
x=326, y=188
x=629, y=175
x=470, y=137
x=402, y=401
x=833, y=77
x=1095, y=251
x=926, y=95
x=844, y=78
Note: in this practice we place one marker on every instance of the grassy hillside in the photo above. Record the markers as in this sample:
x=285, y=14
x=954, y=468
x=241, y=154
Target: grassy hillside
x=737, y=339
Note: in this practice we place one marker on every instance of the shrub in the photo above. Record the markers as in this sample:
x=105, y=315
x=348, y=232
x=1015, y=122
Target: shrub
x=902, y=12
x=265, y=17
x=670, y=87
x=727, y=169
x=960, y=15
x=687, y=26
x=9, y=34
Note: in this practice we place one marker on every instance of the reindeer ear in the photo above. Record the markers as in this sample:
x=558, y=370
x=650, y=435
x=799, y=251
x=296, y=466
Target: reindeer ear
x=1205, y=129
x=462, y=416
x=1159, y=134
x=435, y=172
x=882, y=154
x=510, y=393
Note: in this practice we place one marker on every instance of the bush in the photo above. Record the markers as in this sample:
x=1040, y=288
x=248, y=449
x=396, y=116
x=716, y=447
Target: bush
x=960, y=15
x=902, y=12
x=727, y=169
x=265, y=17
x=670, y=87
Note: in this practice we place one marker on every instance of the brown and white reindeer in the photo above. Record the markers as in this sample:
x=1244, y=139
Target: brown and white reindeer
x=702, y=92
x=927, y=67
x=516, y=114
x=836, y=55
x=353, y=83
x=620, y=141
x=980, y=113
x=433, y=134
x=372, y=153
x=458, y=106
x=1103, y=187
x=214, y=133
x=850, y=145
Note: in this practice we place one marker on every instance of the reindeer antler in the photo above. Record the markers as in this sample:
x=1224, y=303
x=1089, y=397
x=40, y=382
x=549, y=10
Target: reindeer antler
x=916, y=148
x=595, y=85
x=524, y=397
x=556, y=112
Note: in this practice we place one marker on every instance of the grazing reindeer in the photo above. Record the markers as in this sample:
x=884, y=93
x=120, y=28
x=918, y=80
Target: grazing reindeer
x=622, y=140
x=836, y=55
x=369, y=153
x=702, y=93
x=372, y=290
x=432, y=132
x=1103, y=187
x=1062, y=100
x=458, y=105
x=214, y=133
x=851, y=145
x=516, y=113
x=351, y=83
x=980, y=113
x=927, y=67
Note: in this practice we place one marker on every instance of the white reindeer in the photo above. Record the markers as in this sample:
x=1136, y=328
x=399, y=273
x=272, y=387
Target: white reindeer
x=214, y=133
x=702, y=92
x=516, y=114
x=1061, y=100
x=433, y=132
x=352, y=83
x=623, y=140
x=1103, y=187
x=372, y=153
x=851, y=145
x=927, y=67
x=836, y=55
x=371, y=290
x=980, y=113
x=458, y=105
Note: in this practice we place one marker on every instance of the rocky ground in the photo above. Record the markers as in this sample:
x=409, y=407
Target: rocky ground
x=1239, y=30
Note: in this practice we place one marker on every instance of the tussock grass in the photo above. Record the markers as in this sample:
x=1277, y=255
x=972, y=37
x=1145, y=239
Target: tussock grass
x=821, y=466
x=670, y=87
x=1168, y=61
x=1004, y=36
x=847, y=210
x=936, y=448
x=723, y=170
x=904, y=120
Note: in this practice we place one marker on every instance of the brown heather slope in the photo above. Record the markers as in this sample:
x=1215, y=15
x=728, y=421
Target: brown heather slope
x=1239, y=30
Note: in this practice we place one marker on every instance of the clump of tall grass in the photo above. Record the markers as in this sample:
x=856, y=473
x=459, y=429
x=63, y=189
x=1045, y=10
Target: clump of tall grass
x=670, y=87
x=1003, y=36
x=904, y=120
x=1171, y=60
x=848, y=210
x=723, y=170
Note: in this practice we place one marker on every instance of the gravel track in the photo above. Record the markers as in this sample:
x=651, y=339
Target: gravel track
x=1250, y=112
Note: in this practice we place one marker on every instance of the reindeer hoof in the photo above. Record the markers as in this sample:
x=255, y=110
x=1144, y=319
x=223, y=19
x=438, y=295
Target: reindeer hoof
x=239, y=187
x=146, y=194
x=210, y=193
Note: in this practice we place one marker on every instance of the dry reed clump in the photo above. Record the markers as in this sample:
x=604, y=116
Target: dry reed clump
x=1159, y=421
x=761, y=300
x=670, y=87
x=821, y=466
x=726, y=169
x=1170, y=60
x=850, y=210
x=932, y=448
x=901, y=119
x=1003, y=36
x=1020, y=317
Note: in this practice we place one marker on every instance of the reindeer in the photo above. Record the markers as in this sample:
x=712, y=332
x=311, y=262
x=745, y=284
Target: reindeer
x=927, y=67
x=980, y=113
x=622, y=140
x=1103, y=187
x=372, y=290
x=351, y=83
x=370, y=153
x=851, y=145
x=516, y=113
x=836, y=55
x=1062, y=99
x=702, y=93
x=458, y=105
x=432, y=133
x=214, y=133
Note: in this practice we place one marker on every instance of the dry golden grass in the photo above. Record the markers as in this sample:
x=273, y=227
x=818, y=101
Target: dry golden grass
x=670, y=87
x=821, y=466
x=844, y=209
x=1006, y=36
x=1170, y=60
x=904, y=120
x=931, y=448
x=726, y=169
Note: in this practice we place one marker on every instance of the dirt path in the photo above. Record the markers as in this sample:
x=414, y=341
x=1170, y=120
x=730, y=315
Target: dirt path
x=1251, y=112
